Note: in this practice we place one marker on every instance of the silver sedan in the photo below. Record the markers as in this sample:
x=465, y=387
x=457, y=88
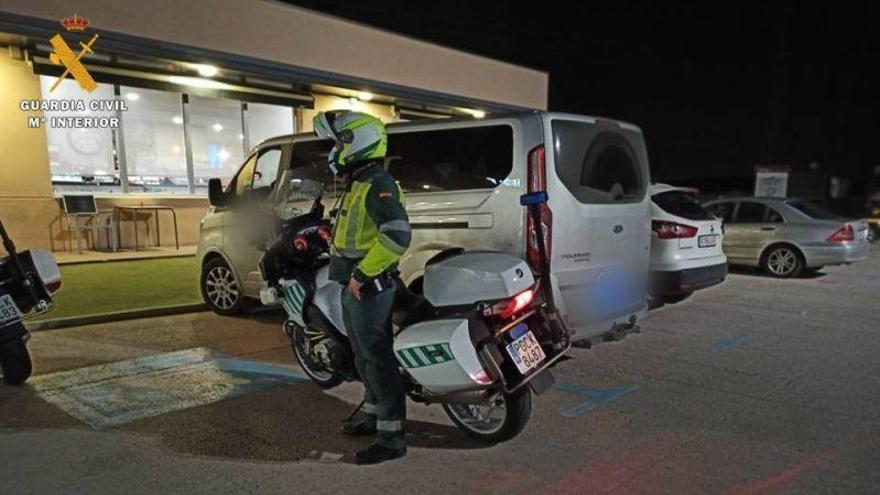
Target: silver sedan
x=784, y=236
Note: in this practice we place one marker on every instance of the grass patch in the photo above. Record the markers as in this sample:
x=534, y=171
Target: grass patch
x=95, y=288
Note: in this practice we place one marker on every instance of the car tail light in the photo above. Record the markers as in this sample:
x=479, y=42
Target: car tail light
x=537, y=181
x=300, y=243
x=842, y=234
x=53, y=287
x=512, y=306
x=672, y=230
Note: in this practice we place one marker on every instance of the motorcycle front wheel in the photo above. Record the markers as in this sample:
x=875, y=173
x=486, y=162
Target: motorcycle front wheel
x=498, y=421
x=301, y=340
x=15, y=362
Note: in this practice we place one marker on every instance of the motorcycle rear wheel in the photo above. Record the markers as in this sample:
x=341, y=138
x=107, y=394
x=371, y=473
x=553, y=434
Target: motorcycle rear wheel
x=496, y=422
x=15, y=362
x=298, y=341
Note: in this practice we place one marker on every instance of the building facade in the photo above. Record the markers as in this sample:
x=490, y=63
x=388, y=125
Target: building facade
x=183, y=90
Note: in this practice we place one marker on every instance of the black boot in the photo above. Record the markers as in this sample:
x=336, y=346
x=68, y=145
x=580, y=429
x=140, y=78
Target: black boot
x=376, y=453
x=358, y=428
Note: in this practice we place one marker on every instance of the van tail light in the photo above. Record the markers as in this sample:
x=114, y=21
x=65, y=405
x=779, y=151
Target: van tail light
x=300, y=243
x=672, y=230
x=537, y=181
x=842, y=234
x=512, y=306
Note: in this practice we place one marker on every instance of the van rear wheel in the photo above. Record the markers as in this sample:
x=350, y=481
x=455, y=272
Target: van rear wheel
x=220, y=289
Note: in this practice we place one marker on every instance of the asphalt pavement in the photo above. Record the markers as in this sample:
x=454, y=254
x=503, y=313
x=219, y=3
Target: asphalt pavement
x=754, y=386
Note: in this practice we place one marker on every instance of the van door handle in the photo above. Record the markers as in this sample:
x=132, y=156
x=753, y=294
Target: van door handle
x=768, y=228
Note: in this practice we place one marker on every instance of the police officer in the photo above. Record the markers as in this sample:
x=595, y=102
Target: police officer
x=370, y=233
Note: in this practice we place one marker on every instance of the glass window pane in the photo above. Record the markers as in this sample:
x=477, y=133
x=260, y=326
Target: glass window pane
x=600, y=166
x=266, y=170
x=216, y=138
x=267, y=121
x=80, y=159
x=750, y=212
x=724, y=211
x=154, y=145
x=681, y=204
x=450, y=159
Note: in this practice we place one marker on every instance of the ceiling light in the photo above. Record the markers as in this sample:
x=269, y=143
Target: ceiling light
x=222, y=154
x=365, y=96
x=133, y=96
x=478, y=114
x=206, y=70
x=177, y=119
x=217, y=127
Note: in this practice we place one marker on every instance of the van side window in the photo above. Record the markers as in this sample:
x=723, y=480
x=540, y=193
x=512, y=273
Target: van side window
x=243, y=180
x=309, y=161
x=451, y=159
x=724, y=211
x=599, y=166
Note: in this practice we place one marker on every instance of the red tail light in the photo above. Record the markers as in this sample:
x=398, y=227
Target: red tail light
x=672, y=230
x=537, y=181
x=512, y=306
x=842, y=234
x=300, y=243
x=53, y=287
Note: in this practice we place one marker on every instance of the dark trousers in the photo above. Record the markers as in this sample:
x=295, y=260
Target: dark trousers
x=368, y=322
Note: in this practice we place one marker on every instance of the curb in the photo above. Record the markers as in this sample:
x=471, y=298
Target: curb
x=75, y=321
x=127, y=258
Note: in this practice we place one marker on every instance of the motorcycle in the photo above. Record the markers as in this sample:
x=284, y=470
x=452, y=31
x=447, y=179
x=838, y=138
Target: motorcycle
x=28, y=282
x=479, y=339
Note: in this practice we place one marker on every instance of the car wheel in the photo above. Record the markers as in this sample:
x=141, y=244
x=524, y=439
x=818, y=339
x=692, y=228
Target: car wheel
x=783, y=262
x=220, y=289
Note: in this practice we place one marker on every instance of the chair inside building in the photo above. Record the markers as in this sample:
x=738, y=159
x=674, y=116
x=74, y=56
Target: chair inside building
x=85, y=221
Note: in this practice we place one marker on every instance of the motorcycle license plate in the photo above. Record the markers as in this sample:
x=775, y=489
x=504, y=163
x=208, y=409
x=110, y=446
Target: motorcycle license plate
x=707, y=240
x=525, y=350
x=9, y=312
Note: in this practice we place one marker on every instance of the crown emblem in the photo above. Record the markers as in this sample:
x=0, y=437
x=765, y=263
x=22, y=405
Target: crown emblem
x=75, y=23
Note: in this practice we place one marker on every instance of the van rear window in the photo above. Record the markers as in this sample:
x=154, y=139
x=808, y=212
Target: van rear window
x=597, y=165
x=681, y=204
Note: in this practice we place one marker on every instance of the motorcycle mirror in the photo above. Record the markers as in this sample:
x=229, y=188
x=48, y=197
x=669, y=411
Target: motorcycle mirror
x=533, y=198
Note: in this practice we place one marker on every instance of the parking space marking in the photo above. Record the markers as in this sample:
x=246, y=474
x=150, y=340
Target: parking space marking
x=732, y=342
x=597, y=397
x=112, y=394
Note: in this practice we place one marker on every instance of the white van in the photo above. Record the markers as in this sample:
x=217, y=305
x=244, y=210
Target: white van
x=463, y=180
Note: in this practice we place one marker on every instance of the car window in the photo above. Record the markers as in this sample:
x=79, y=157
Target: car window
x=682, y=204
x=309, y=161
x=243, y=180
x=451, y=159
x=773, y=216
x=266, y=169
x=811, y=210
x=724, y=211
x=750, y=212
x=599, y=166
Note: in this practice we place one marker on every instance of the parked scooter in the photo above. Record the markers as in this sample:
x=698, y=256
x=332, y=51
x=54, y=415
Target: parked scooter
x=478, y=340
x=28, y=281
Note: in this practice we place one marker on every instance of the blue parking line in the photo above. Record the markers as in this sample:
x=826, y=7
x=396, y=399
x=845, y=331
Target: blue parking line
x=732, y=342
x=597, y=397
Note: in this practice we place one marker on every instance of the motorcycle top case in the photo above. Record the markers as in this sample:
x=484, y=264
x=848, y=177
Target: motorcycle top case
x=476, y=276
x=439, y=355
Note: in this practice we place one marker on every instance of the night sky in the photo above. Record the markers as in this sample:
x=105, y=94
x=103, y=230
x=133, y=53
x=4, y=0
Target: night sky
x=716, y=87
